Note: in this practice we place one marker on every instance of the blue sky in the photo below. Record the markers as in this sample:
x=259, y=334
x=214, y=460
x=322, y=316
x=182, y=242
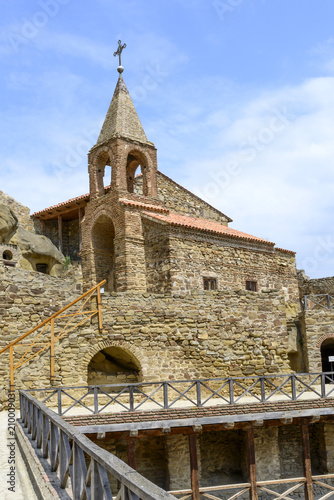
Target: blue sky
x=237, y=95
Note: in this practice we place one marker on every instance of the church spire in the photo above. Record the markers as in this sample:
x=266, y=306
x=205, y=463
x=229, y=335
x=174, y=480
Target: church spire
x=121, y=119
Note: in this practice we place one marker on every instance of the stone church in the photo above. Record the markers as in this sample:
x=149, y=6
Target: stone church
x=186, y=297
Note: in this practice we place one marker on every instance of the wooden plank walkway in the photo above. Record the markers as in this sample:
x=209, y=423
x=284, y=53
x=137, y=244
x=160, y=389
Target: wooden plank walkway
x=183, y=417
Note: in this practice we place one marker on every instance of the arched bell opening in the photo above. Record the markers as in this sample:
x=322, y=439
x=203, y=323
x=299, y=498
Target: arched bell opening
x=114, y=365
x=327, y=358
x=103, y=172
x=103, y=235
x=136, y=164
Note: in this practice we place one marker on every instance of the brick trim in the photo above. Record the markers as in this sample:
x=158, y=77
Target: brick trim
x=134, y=351
x=323, y=338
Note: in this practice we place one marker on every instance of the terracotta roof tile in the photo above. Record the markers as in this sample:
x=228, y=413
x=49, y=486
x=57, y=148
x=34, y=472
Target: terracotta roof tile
x=205, y=225
x=67, y=202
x=64, y=203
x=139, y=204
x=285, y=251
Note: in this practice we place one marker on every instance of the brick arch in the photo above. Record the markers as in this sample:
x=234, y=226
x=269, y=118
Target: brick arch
x=100, y=211
x=101, y=238
x=137, y=157
x=146, y=157
x=323, y=338
x=102, y=157
x=104, y=150
x=136, y=352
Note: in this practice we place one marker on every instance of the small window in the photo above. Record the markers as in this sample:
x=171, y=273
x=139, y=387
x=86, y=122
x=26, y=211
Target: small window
x=7, y=255
x=42, y=268
x=210, y=283
x=251, y=285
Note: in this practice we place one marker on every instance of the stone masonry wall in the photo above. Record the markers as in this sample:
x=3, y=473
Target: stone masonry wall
x=212, y=334
x=329, y=443
x=178, y=459
x=194, y=257
x=26, y=299
x=156, y=258
x=21, y=212
x=151, y=457
x=221, y=457
x=318, y=286
x=267, y=453
x=178, y=199
x=291, y=460
x=318, y=326
x=71, y=238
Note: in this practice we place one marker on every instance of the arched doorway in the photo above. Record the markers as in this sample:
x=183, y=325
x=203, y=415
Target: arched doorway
x=327, y=352
x=113, y=365
x=103, y=235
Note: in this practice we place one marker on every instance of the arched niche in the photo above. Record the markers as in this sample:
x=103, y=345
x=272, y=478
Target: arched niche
x=7, y=255
x=102, y=240
x=113, y=365
x=136, y=163
x=327, y=352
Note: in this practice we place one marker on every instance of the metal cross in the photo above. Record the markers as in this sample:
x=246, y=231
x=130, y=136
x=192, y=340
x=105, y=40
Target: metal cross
x=119, y=51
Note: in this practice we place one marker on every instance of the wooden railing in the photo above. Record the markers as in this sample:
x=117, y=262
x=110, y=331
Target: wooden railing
x=45, y=339
x=67, y=450
x=274, y=489
x=317, y=302
x=89, y=471
x=192, y=393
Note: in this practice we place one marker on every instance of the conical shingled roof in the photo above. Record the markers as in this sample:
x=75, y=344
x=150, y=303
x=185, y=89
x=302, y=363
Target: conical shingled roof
x=122, y=119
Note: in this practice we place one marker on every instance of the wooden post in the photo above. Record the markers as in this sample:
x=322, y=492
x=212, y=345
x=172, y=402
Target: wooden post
x=251, y=464
x=11, y=365
x=307, y=462
x=98, y=290
x=132, y=453
x=80, y=219
x=194, y=467
x=60, y=233
x=52, y=352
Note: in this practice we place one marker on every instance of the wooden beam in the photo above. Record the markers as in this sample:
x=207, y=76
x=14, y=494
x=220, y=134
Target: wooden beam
x=307, y=462
x=132, y=453
x=60, y=233
x=11, y=368
x=154, y=427
x=194, y=467
x=251, y=464
x=80, y=211
x=52, y=352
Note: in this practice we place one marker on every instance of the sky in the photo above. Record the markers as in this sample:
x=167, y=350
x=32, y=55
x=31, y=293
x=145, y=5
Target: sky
x=237, y=95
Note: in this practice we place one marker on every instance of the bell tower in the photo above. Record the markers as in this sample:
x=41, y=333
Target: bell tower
x=112, y=234
x=123, y=145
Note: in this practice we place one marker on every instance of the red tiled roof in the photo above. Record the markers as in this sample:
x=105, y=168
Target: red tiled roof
x=64, y=203
x=68, y=202
x=285, y=251
x=139, y=204
x=205, y=225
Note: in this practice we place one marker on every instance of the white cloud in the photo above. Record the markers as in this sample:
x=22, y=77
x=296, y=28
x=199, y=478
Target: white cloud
x=199, y=124
x=285, y=193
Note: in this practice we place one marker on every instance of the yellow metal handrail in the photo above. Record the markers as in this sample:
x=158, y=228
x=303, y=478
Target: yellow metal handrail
x=51, y=321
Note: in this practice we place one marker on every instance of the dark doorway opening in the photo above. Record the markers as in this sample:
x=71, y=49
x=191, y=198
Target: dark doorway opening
x=327, y=353
x=42, y=268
